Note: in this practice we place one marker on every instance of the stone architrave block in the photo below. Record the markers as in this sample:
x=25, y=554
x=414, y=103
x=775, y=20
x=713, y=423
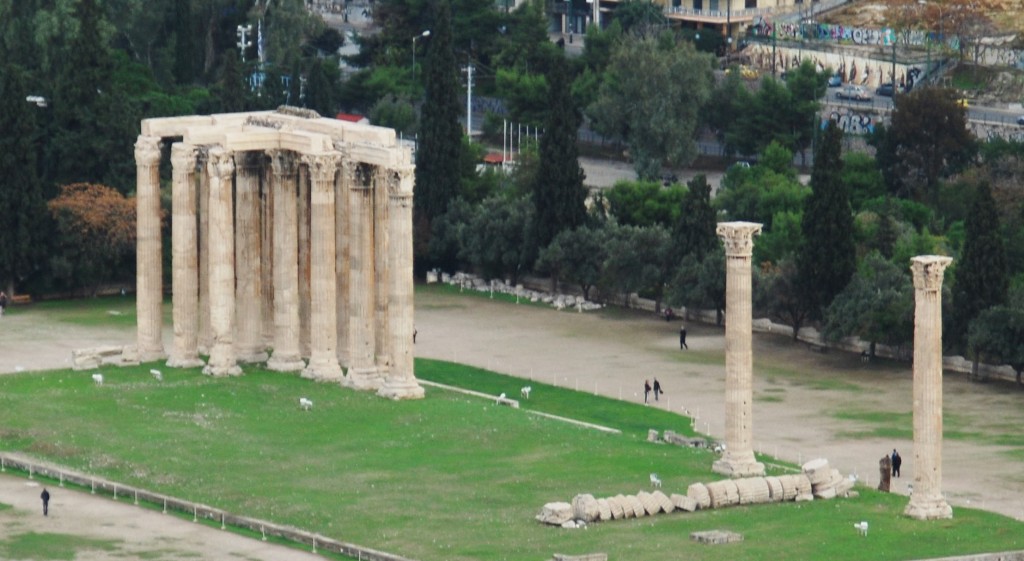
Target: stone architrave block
x=555, y=514
x=700, y=495
x=666, y=503
x=753, y=490
x=775, y=493
x=604, y=510
x=637, y=506
x=684, y=502
x=817, y=470
x=584, y=507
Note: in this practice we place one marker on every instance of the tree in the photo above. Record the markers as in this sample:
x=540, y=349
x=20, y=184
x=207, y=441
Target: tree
x=806, y=86
x=996, y=335
x=780, y=295
x=700, y=283
x=650, y=98
x=640, y=17
x=637, y=262
x=645, y=203
x=828, y=257
x=576, y=256
x=437, y=158
x=95, y=234
x=725, y=109
x=559, y=197
x=496, y=238
x=877, y=305
x=694, y=232
x=23, y=213
x=980, y=280
x=759, y=193
x=928, y=139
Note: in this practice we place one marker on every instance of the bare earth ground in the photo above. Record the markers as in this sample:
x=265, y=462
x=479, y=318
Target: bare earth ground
x=795, y=416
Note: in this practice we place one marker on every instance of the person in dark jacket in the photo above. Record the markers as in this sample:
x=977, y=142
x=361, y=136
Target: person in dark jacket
x=46, y=501
x=896, y=462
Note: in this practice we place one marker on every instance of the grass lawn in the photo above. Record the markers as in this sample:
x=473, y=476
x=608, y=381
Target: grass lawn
x=450, y=477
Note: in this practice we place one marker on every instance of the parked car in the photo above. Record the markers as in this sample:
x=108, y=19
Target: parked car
x=835, y=80
x=1020, y=119
x=853, y=93
x=887, y=89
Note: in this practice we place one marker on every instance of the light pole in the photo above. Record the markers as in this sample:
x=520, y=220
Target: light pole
x=243, y=43
x=414, y=38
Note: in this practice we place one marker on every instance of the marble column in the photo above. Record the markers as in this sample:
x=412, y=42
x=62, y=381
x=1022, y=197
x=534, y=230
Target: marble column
x=223, y=362
x=248, y=293
x=184, y=259
x=203, y=202
x=323, y=361
x=341, y=200
x=381, y=266
x=927, y=501
x=285, y=356
x=738, y=459
x=266, y=253
x=148, y=250
x=362, y=372
x=304, y=262
x=400, y=381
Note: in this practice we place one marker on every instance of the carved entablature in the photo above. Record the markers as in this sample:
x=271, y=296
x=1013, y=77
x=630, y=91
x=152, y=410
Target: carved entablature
x=147, y=150
x=928, y=271
x=738, y=237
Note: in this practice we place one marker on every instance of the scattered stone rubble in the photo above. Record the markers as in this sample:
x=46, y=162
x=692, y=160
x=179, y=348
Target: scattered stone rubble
x=92, y=358
x=817, y=480
x=472, y=282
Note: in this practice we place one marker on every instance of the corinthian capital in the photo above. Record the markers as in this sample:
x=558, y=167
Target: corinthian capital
x=928, y=271
x=221, y=163
x=738, y=237
x=183, y=157
x=322, y=167
x=282, y=162
x=147, y=150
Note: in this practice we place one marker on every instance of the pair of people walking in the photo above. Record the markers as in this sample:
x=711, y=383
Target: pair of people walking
x=648, y=388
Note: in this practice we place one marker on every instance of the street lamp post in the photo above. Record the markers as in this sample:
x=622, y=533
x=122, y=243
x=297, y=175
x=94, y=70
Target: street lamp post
x=414, y=38
x=243, y=43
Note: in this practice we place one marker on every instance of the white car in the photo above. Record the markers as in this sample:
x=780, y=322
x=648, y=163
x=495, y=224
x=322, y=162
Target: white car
x=854, y=93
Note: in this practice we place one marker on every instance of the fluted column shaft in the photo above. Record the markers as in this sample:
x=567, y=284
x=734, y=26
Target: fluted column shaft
x=400, y=381
x=927, y=501
x=362, y=372
x=249, y=344
x=342, y=264
x=223, y=360
x=285, y=357
x=382, y=265
x=203, y=202
x=304, y=262
x=738, y=459
x=185, y=259
x=149, y=277
x=267, y=254
x=323, y=361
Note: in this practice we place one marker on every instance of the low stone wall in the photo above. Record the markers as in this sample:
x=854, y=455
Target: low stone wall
x=198, y=511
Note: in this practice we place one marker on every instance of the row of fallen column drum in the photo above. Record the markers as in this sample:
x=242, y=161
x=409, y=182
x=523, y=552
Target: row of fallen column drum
x=816, y=480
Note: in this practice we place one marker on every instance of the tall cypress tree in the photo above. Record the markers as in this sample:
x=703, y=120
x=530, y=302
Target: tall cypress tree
x=558, y=192
x=827, y=257
x=981, y=280
x=440, y=141
x=694, y=233
x=22, y=212
x=185, y=49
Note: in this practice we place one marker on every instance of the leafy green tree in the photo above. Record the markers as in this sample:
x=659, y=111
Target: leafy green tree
x=782, y=240
x=437, y=158
x=828, y=258
x=232, y=91
x=651, y=98
x=322, y=87
x=778, y=294
x=640, y=17
x=927, y=140
x=694, y=231
x=700, y=283
x=396, y=112
x=576, y=256
x=760, y=192
x=496, y=239
x=981, y=280
x=862, y=177
x=637, y=262
x=725, y=110
x=995, y=335
x=527, y=96
x=645, y=203
x=877, y=305
x=23, y=212
x=559, y=196
x=806, y=86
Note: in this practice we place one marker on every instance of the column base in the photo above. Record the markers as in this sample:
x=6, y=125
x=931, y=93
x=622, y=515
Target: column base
x=279, y=363
x=323, y=370
x=222, y=370
x=740, y=466
x=366, y=378
x=928, y=508
x=401, y=389
x=185, y=362
x=151, y=355
x=254, y=357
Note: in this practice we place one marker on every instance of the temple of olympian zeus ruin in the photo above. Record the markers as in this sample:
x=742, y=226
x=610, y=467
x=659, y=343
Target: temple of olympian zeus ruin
x=927, y=501
x=289, y=232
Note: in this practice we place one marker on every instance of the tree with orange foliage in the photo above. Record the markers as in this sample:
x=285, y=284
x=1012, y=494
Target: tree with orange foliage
x=95, y=225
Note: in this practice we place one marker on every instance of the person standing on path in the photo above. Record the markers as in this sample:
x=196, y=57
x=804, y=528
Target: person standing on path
x=682, y=338
x=46, y=502
x=647, y=389
x=897, y=461
x=657, y=389
x=3, y=302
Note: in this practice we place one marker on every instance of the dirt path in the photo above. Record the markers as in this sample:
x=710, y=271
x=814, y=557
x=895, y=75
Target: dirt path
x=794, y=418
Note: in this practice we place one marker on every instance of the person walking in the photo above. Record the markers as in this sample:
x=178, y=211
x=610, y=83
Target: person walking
x=657, y=389
x=647, y=389
x=897, y=461
x=682, y=338
x=3, y=302
x=46, y=501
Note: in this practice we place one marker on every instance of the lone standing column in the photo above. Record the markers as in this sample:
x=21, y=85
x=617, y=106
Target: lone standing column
x=400, y=382
x=323, y=361
x=927, y=502
x=738, y=459
x=285, y=357
x=223, y=360
x=184, y=251
x=148, y=277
